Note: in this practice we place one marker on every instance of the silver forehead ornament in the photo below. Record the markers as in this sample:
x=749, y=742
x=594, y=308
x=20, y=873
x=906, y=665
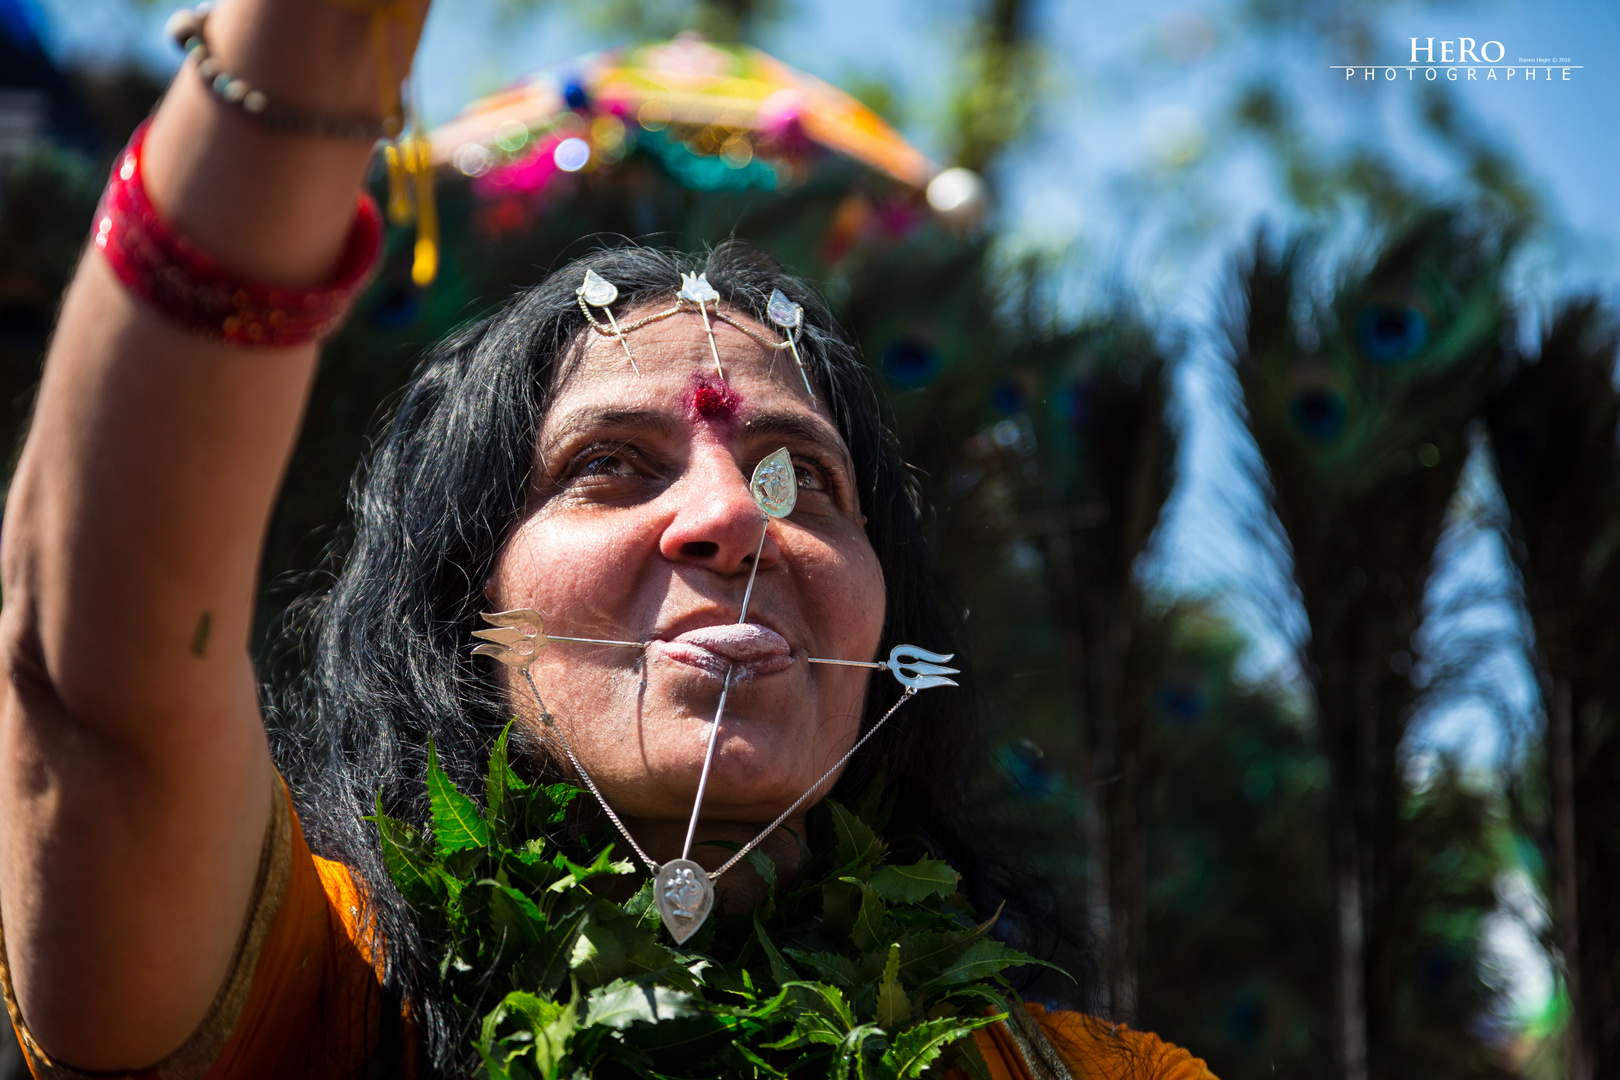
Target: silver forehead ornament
x=683, y=890
x=790, y=317
x=598, y=291
x=696, y=288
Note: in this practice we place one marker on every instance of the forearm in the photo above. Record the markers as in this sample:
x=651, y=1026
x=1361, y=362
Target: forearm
x=134, y=776
x=155, y=452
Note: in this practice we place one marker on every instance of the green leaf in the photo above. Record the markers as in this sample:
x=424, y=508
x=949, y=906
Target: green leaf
x=515, y=913
x=970, y=1059
x=781, y=971
x=765, y=867
x=555, y=798
x=496, y=782
x=402, y=854
x=982, y=960
x=760, y=1064
x=893, y=1008
x=549, y=1024
x=826, y=1000
x=841, y=904
x=867, y=932
x=834, y=968
x=915, y=1048
x=622, y=1003
x=915, y=883
x=457, y=825
x=923, y=955
x=857, y=845
x=611, y=946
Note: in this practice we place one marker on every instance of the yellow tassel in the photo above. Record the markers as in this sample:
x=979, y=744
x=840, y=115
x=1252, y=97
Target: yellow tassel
x=401, y=208
x=408, y=157
x=425, y=267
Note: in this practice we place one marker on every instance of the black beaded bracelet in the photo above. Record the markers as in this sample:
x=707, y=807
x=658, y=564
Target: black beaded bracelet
x=186, y=28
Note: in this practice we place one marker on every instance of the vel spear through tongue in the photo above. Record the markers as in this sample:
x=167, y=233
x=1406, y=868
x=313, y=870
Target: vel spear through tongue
x=775, y=490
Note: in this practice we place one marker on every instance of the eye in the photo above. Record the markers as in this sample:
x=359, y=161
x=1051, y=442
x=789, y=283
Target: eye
x=603, y=461
x=605, y=465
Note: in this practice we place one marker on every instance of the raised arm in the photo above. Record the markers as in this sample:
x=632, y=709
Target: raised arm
x=135, y=779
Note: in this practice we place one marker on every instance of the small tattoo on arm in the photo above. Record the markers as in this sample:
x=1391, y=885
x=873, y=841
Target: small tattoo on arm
x=199, y=640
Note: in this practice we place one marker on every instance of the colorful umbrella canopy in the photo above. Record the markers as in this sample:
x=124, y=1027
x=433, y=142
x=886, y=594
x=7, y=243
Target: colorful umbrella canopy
x=733, y=103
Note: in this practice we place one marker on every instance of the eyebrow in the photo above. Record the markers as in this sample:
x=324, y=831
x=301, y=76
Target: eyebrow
x=789, y=426
x=801, y=428
x=656, y=421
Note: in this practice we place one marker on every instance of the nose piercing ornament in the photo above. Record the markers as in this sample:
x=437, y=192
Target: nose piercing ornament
x=683, y=891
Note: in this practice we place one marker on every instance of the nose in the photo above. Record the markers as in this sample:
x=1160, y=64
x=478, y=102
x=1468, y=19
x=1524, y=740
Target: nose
x=715, y=523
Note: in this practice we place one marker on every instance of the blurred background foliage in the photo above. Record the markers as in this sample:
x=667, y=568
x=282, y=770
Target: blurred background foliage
x=1273, y=872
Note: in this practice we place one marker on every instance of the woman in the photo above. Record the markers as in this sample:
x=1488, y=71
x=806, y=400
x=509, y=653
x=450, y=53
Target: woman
x=161, y=910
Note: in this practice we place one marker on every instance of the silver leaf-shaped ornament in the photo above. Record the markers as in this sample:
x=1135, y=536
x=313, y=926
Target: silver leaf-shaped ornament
x=784, y=312
x=684, y=896
x=597, y=290
x=696, y=288
x=774, y=487
x=516, y=638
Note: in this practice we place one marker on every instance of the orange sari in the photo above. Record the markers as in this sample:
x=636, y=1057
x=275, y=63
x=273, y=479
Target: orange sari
x=302, y=998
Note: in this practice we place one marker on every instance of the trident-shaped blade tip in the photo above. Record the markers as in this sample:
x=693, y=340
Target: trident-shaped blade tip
x=509, y=657
x=920, y=669
x=517, y=637
x=516, y=617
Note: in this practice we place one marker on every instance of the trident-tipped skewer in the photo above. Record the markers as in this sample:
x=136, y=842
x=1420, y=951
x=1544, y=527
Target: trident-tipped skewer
x=696, y=288
x=917, y=669
x=518, y=636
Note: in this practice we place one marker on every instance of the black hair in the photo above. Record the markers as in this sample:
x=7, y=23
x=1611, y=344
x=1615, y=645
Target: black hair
x=388, y=663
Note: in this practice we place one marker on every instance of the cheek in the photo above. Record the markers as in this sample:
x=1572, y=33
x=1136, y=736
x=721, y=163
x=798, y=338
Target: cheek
x=846, y=586
x=565, y=572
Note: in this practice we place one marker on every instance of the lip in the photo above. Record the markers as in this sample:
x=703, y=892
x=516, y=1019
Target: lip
x=747, y=650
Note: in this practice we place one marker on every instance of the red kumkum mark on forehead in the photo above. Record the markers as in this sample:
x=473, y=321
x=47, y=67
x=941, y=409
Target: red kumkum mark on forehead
x=712, y=400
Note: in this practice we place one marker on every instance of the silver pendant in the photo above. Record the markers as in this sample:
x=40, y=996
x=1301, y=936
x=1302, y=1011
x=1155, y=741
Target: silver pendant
x=774, y=487
x=597, y=290
x=784, y=312
x=684, y=896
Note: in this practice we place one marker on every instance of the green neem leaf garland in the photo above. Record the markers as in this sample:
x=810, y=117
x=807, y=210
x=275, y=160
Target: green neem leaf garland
x=855, y=968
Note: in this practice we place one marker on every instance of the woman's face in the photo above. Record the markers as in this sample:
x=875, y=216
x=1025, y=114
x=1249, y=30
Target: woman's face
x=641, y=527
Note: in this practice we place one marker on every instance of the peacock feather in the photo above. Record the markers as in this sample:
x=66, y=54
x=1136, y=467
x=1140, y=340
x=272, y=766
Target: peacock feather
x=1359, y=387
x=1553, y=429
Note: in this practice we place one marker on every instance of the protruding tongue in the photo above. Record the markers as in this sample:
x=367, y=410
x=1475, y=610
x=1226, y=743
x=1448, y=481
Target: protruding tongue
x=740, y=643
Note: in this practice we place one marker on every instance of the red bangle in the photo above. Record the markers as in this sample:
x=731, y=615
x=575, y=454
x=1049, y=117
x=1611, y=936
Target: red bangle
x=187, y=284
